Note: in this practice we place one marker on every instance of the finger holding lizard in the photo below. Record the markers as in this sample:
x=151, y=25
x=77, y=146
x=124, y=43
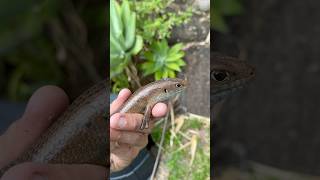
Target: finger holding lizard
x=132, y=121
x=33, y=123
x=125, y=135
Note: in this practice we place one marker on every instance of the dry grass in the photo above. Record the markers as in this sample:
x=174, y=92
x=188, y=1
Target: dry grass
x=186, y=149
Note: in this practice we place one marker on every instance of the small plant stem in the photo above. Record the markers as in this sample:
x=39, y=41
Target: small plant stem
x=133, y=74
x=173, y=133
x=161, y=144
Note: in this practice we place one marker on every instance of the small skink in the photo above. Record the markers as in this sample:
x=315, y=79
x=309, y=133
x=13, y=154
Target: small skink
x=142, y=100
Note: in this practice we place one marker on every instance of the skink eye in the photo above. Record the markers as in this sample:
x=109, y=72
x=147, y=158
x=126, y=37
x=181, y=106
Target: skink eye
x=219, y=75
x=165, y=90
x=178, y=85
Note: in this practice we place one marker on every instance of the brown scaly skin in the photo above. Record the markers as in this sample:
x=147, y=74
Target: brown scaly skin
x=226, y=75
x=79, y=136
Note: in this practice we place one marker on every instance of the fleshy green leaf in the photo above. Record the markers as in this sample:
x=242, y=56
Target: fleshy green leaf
x=163, y=60
x=148, y=68
x=174, y=66
x=171, y=74
x=165, y=73
x=229, y=7
x=176, y=48
x=138, y=45
x=218, y=23
x=148, y=55
x=175, y=57
x=180, y=62
x=158, y=75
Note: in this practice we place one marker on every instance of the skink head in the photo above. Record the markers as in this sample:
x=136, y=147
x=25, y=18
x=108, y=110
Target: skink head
x=228, y=74
x=228, y=70
x=169, y=87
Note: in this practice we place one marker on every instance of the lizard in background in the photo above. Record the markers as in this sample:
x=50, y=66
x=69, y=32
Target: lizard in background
x=227, y=74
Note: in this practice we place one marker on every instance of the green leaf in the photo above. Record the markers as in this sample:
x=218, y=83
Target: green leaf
x=120, y=82
x=223, y=8
x=116, y=71
x=165, y=73
x=154, y=22
x=124, y=41
x=229, y=7
x=116, y=45
x=158, y=75
x=129, y=20
x=180, y=62
x=147, y=65
x=162, y=60
x=218, y=23
x=175, y=57
x=137, y=46
x=148, y=68
x=159, y=63
x=176, y=48
x=115, y=19
x=149, y=56
x=117, y=66
x=171, y=74
x=173, y=66
x=163, y=47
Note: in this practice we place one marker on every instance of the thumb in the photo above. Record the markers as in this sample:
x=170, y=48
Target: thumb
x=122, y=97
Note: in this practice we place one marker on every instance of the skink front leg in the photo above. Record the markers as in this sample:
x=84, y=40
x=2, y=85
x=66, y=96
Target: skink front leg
x=146, y=118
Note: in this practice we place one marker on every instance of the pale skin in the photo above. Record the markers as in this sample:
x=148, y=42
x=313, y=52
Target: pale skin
x=126, y=139
x=44, y=107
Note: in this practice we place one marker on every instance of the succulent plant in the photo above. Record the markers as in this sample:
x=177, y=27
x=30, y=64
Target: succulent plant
x=162, y=60
x=124, y=43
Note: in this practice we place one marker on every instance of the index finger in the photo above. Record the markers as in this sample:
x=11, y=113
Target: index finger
x=132, y=121
x=159, y=110
x=45, y=105
x=122, y=97
x=126, y=121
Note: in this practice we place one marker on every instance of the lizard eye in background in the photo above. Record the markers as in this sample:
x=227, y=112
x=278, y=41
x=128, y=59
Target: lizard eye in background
x=165, y=90
x=178, y=85
x=219, y=75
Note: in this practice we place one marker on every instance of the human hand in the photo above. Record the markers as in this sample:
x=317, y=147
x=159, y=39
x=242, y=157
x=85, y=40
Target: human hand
x=126, y=139
x=44, y=107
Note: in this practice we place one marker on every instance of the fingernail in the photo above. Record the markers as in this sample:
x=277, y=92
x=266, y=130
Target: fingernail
x=122, y=93
x=38, y=176
x=122, y=122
